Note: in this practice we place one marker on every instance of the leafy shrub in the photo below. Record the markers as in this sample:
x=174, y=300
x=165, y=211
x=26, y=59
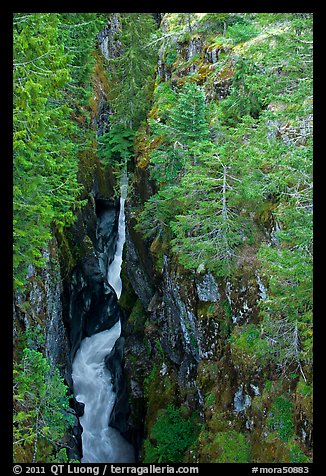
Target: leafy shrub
x=304, y=388
x=170, y=436
x=247, y=346
x=242, y=32
x=226, y=447
x=297, y=455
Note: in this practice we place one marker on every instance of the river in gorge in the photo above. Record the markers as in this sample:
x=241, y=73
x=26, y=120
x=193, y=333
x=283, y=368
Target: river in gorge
x=92, y=380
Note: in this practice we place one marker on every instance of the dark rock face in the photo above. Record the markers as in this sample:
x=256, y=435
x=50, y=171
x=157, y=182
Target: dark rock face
x=93, y=303
x=138, y=274
x=120, y=413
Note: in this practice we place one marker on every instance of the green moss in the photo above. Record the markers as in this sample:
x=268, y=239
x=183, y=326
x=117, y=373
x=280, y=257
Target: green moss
x=280, y=418
x=296, y=454
x=227, y=308
x=225, y=447
x=137, y=318
x=68, y=255
x=218, y=421
x=265, y=212
x=207, y=374
x=248, y=349
x=267, y=450
x=157, y=249
x=159, y=391
x=128, y=297
x=173, y=432
x=303, y=388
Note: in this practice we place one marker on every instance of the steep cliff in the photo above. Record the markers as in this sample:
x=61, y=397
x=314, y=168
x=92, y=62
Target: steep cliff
x=196, y=339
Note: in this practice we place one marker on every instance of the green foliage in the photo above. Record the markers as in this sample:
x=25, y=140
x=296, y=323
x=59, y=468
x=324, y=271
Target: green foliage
x=159, y=210
x=46, y=139
x=242, y=32
x=78, y=33
x=184, y=128
x=227, y=446
x=188, y=117
x=208, y=230
x=164, y=98
x=62, y=457
x=303, y=388
x=170, y=57
x=233, y=447
x=280, y=418
x=170, y=436
x=254, y=175
x=260, y=147
x=116, y=146
x=131, y=73
x=296, y=454
x=247, y=346
x=40, y=409
x=195, y=185
x=217, y=22
x=245, y=98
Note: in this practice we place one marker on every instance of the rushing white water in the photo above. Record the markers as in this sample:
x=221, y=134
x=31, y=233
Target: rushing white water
x=92, y=380
x=114, y=270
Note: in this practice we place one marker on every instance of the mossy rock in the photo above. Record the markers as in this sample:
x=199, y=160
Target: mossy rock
x=128, y=297
x=68, y=256
x=264, y=214
x=159, y=392
x=224, y=447
x=270, y=449
x=249, y=351
x=158, y=248
x=303, y=411
x=217, y=377
x=264, y=451
x=280, y=418
x=204, y=71
x=137, y=318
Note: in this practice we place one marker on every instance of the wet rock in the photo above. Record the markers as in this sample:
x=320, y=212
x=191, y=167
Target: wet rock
x=120, y=412
x=93, y=303
x=241, y=401
x=108, y=42
x=137, y=273
x=207, y=288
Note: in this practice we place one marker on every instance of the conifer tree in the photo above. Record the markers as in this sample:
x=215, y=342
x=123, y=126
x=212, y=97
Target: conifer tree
x=183, y=132
x=209, y=229
x=40, y=409
x=51, y=74
x=132, y=71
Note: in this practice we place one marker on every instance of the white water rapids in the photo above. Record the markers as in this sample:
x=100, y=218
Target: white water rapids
x=92, y=380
